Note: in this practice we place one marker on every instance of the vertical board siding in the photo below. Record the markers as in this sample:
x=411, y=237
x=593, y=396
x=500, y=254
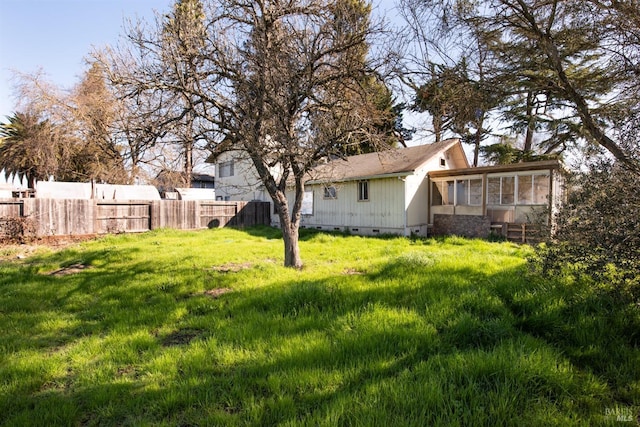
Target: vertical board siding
x=384, y=209
x=61, y=217
x=66, y=217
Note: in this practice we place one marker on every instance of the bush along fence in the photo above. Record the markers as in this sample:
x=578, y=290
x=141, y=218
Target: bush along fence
x=21, y=219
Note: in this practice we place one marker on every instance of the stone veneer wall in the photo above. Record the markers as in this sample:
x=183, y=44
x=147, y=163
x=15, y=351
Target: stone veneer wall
x=461, y=225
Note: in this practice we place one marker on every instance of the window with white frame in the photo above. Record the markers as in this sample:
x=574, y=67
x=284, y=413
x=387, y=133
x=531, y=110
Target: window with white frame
x=469, y=192
x=465, y=191
x=330, y=192
x=533, y=189
x=225, y=169
x=501, y=190
x=363, y=191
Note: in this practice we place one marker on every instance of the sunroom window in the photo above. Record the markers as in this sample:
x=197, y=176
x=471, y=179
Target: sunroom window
x=442, y=193
x=501, y=190
x=469, y=192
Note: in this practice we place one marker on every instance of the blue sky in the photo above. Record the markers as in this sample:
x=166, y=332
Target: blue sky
x=56, y=36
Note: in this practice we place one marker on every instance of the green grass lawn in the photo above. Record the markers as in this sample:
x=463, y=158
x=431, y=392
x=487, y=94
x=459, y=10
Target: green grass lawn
x=207, y=328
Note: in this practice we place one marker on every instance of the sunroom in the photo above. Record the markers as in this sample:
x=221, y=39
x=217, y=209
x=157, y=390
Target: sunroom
x=470, y=201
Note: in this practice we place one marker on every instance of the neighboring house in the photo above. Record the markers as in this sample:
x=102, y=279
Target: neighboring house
x=170, y=185
x=237, y=179
x=202, y=180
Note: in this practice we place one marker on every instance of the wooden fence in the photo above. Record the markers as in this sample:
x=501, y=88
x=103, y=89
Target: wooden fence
x=68, y=217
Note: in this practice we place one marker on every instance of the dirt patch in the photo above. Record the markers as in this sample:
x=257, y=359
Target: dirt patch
x=70, y=269
x=180, y=337
x=12, y=251
x=128, y=371
x=232, y=267
x=352, y=272
x=216, y=293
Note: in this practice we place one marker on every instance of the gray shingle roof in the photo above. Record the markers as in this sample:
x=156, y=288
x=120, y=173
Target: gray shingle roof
x=400, y=161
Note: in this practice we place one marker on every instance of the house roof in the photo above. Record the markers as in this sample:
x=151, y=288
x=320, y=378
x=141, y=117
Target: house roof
x=395, y=162
x=203, y=177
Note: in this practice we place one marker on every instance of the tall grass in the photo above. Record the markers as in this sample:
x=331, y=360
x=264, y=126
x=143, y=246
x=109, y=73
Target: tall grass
x=208, y=328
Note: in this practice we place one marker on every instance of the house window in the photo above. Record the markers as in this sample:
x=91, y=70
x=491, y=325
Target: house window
x=533, y=189
x=508, y=190
x=363, y=191
x=541, y=184
x=443, y=162
x=475, y=192
x=442, y=193
x=493, y=191
x=436, y=194
x=501, y=190
x=330, y=192
x=525, y=189
x=469, y=192
x=225, y=169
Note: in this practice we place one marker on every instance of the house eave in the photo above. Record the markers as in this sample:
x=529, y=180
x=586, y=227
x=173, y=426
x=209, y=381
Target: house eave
x=359, y=178
x=515, y=167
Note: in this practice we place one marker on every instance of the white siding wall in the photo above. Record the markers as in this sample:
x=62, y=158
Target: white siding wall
x=383, y=212
x=416, y=200
x=244, y=184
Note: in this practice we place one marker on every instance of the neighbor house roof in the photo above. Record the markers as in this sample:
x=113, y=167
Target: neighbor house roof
x=394, y=162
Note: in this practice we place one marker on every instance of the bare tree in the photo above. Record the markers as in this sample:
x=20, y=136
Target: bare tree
x=156, y=76
x=281, y=81
x=81, y=122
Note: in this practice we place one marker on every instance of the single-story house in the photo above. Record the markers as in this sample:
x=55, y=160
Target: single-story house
x=378, y=193
x=420, y=190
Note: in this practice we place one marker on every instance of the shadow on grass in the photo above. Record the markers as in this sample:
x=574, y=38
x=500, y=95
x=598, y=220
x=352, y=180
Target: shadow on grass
x=407, y=344
x=597, y=333
x=305, y=234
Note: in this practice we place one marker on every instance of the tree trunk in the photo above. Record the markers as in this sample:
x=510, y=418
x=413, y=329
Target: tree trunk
x=188, y=163
x=292, y=256
x=476, y=148
x=531, y=123
x=437, y=127
x=290, y=236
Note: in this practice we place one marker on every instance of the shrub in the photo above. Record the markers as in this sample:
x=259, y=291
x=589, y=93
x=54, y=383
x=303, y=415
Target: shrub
x=598, y=231
x=16, y=230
